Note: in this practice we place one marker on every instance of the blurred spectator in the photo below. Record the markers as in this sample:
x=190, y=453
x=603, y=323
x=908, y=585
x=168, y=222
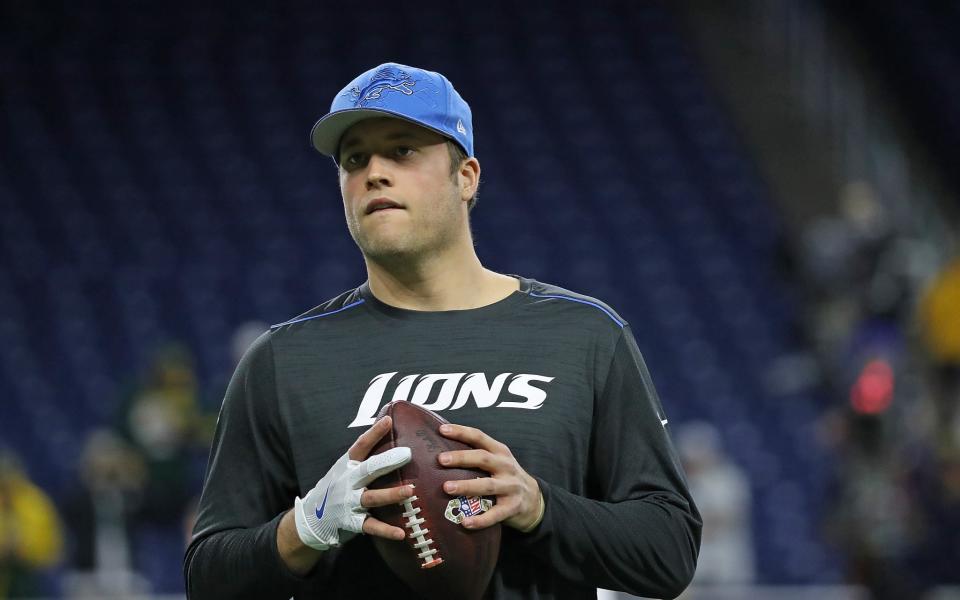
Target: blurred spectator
x=862, y=271
x=888, y=496
x=874, y=518
x=31, y=540
x=244, y=335
x=939, y=318
x=163, y=423
x=723, y=495
x=936, y=481
x=98, y=512
x=936, y=476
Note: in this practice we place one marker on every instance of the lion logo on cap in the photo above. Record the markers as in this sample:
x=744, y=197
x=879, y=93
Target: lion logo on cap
x=383, y=81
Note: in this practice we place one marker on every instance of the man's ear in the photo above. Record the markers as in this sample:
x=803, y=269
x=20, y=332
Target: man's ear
x=469, y=177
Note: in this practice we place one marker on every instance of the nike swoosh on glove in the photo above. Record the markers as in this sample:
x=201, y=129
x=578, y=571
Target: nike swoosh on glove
x=330, y=513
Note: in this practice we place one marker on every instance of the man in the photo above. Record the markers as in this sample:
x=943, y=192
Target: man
x=546, y=384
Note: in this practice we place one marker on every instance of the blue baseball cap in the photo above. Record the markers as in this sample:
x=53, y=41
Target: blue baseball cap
x=425, y=98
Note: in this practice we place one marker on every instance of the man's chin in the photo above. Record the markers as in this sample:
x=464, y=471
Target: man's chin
x=385, y=252
x=398, y=250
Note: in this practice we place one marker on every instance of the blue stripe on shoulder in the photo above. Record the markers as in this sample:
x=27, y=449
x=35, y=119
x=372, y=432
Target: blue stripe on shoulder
x=326, y=314
x=578, y=300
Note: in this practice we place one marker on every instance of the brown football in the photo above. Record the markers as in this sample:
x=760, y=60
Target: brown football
x=439, y=559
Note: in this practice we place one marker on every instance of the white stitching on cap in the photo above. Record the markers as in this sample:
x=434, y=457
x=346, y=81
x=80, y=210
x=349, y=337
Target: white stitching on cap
x=418, y=533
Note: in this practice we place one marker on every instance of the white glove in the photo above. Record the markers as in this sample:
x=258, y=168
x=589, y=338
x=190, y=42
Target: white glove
x=330, y=513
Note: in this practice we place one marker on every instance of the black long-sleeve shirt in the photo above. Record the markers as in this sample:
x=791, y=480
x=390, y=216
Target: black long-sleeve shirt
x=554, y=375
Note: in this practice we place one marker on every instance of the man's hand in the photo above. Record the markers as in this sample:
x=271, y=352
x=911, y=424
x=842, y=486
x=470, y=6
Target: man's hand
x=519, y=500
x=336, y=509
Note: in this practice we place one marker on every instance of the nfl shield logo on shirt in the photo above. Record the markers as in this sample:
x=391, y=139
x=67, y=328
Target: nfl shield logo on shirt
x=462, y=507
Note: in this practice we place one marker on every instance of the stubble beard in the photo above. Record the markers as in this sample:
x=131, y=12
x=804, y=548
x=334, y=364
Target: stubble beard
x=415, y=243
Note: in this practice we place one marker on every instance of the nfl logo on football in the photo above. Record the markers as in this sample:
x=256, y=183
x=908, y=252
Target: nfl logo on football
x=462, y=507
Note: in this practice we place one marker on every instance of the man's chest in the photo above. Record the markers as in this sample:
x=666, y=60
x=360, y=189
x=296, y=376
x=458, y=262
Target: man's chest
x=539, y=403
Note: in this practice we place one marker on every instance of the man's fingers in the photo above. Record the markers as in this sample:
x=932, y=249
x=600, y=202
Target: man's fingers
x=395, y=495
x=481, y=459
x=491, y=517
x=377, y=465
x=373, y=526
x=473, y=437
x=482, y=486
x=369, y=438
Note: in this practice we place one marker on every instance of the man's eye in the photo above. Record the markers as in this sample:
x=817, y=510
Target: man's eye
x=404, y=151
x=353, y=160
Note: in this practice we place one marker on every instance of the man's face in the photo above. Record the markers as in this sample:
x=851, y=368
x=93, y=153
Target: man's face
x=399, y=198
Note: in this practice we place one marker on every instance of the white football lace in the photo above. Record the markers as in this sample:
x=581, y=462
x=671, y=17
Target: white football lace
x=418, y=533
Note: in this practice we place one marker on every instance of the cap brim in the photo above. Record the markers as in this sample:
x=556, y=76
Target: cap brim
x=327, y=132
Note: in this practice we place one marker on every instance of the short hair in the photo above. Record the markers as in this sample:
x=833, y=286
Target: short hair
x=457, y=156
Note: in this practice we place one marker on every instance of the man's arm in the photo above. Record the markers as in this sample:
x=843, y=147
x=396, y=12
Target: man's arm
x=639, y=531
x=248, y=487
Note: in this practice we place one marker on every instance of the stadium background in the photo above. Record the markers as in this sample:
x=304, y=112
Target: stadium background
x=765, y=191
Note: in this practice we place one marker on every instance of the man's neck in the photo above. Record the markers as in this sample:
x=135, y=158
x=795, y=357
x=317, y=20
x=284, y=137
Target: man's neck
x=435, y=285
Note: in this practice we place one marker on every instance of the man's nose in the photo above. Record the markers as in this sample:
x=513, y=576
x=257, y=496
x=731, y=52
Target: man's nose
x=377, y=172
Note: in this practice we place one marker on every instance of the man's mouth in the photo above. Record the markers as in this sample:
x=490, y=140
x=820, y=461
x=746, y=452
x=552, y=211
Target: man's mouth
x=380, y=204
